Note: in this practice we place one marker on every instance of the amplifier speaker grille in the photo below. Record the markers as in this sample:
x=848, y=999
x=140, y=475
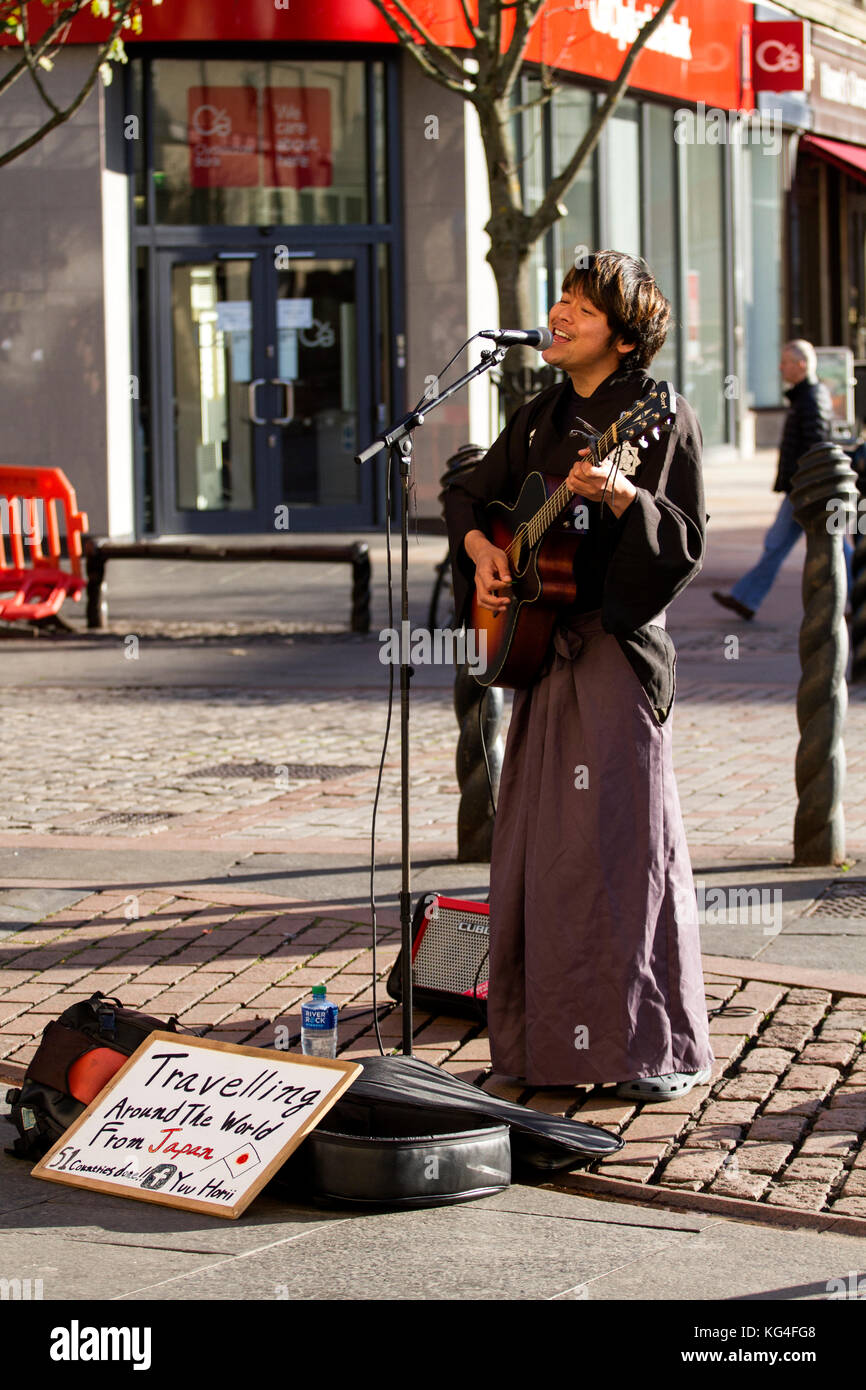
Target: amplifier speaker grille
x=452, y=952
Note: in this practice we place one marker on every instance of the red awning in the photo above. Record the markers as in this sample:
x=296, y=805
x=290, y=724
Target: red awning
x=850, y=158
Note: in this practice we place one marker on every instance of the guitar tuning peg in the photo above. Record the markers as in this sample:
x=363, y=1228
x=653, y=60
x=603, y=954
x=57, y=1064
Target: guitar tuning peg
x=655, y=432
x=643, y=443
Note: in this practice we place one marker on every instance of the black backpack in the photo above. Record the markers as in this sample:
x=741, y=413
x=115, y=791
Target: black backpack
x=45, y=1106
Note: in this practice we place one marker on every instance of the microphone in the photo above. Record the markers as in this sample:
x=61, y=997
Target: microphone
x=540, y=338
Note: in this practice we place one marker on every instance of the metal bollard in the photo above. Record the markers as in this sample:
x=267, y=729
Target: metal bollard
x=823, y=476
x=858, y=596
x=475, y=815
x=361, y=576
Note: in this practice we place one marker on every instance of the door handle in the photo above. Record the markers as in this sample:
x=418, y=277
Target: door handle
x=290, y=401
x=251, y=400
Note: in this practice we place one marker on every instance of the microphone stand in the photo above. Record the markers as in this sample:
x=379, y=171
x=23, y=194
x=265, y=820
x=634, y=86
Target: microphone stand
x=399, y=441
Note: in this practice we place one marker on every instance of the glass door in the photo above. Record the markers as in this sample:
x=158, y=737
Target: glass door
x=264, y=400
x=212, y=378
x=317, y=329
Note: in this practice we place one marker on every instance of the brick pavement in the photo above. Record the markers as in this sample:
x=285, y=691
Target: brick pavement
x=782, y=1122
x=732, y=752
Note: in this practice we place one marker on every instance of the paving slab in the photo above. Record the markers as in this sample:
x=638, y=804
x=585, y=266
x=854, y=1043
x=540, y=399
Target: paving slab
x=503, y=1254
x=89, y=864
x=738, y=1262
x=837, y=950
x=346, y=878
x=66, y=1274
x=21, y=907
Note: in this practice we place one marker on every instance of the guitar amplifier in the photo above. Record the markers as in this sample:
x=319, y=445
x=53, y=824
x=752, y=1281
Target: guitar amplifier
x=450, y=944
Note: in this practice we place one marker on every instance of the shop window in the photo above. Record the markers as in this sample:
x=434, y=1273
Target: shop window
x=762, y=273
x=704, y=277
x=530, y=137
x=241, y=143
x=381, y=191
x=660, y=212
x=805, y=241
x=623, y=182
x=573, y=111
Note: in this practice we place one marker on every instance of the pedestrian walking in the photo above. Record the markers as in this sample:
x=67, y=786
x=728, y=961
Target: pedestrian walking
x=810, y=412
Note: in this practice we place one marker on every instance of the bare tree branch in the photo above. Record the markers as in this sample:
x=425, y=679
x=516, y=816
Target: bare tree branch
x=420, y=55
x=62, y=114
x=527, y=13
x=41, y=48
x=444, y=55
x=546, y=97
x=474, y=29
x=546, y=213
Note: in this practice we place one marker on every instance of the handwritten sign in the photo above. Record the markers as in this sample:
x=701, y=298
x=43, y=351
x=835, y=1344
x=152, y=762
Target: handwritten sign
x=196, y=1124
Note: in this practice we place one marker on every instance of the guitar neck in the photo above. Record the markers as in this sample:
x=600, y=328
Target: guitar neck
x=559, y=500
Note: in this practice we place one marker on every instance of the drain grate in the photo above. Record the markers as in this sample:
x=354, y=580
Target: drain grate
x=311, y=772
x=129, y=818
x=844, y=897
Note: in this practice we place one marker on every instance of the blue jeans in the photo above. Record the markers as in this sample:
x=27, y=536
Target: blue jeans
x=779, y=541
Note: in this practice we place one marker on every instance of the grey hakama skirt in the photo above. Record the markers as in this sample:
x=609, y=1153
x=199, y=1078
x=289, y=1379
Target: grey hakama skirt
x=595, y=967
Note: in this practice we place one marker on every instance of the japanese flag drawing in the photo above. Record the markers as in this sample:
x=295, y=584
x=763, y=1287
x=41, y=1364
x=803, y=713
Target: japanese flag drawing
x=240, y=1160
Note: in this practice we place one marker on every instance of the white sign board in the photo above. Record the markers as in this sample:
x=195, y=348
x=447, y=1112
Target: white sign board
x=294, y=313
x=234, y=315
x=196, y=1124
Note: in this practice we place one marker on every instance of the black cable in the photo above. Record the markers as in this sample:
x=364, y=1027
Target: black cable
x=439, y=375
x=484, y=751
x=477, y=1001
x=390, y=588
x=610, y=481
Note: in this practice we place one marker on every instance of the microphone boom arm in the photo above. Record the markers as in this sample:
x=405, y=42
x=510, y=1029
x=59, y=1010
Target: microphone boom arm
x=489, y=358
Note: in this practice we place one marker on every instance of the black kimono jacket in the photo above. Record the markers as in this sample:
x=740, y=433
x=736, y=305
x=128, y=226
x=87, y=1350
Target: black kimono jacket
x=630, y=567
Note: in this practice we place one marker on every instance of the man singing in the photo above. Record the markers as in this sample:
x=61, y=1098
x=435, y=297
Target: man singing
x=595, y=970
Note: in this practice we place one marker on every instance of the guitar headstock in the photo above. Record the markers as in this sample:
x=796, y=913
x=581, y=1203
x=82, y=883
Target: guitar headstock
x=655, y=413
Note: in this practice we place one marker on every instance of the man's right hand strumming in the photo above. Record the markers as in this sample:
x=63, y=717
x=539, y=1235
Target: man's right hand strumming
x=492, y=571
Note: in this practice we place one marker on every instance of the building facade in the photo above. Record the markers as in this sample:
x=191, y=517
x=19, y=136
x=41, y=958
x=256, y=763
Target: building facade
x=262, y=241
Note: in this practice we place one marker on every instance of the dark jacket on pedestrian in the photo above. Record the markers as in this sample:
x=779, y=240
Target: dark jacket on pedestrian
x=807, y=423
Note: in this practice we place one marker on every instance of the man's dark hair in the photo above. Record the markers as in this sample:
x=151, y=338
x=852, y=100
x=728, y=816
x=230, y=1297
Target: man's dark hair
x=623, y=288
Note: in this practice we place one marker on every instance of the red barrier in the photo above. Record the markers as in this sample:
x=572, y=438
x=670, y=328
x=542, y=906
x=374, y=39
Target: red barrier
x=33, y=579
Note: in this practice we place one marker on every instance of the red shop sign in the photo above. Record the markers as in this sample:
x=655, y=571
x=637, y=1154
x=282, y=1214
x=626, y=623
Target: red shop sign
x=223, y=136
x=779, y=56
x=694, y=55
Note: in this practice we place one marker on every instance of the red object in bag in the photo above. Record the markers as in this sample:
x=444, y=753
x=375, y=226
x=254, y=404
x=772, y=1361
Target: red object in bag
x=90, y=1073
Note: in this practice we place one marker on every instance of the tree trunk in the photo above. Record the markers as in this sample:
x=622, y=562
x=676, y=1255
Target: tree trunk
x=510, y=264
x=509, y=244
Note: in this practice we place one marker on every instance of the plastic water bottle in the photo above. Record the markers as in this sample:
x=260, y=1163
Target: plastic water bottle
x=319, y=1024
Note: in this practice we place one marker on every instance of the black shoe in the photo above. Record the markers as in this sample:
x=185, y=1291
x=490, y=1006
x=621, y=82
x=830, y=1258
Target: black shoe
x=728, y=601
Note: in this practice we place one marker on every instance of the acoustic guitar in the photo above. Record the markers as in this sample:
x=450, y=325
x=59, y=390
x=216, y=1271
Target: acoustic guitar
x=541, y=552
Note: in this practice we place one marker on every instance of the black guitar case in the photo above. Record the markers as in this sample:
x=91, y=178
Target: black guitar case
x=409, y=1134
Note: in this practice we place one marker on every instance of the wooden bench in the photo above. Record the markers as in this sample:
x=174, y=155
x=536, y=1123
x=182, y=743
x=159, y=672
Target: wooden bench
x=99, y=550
